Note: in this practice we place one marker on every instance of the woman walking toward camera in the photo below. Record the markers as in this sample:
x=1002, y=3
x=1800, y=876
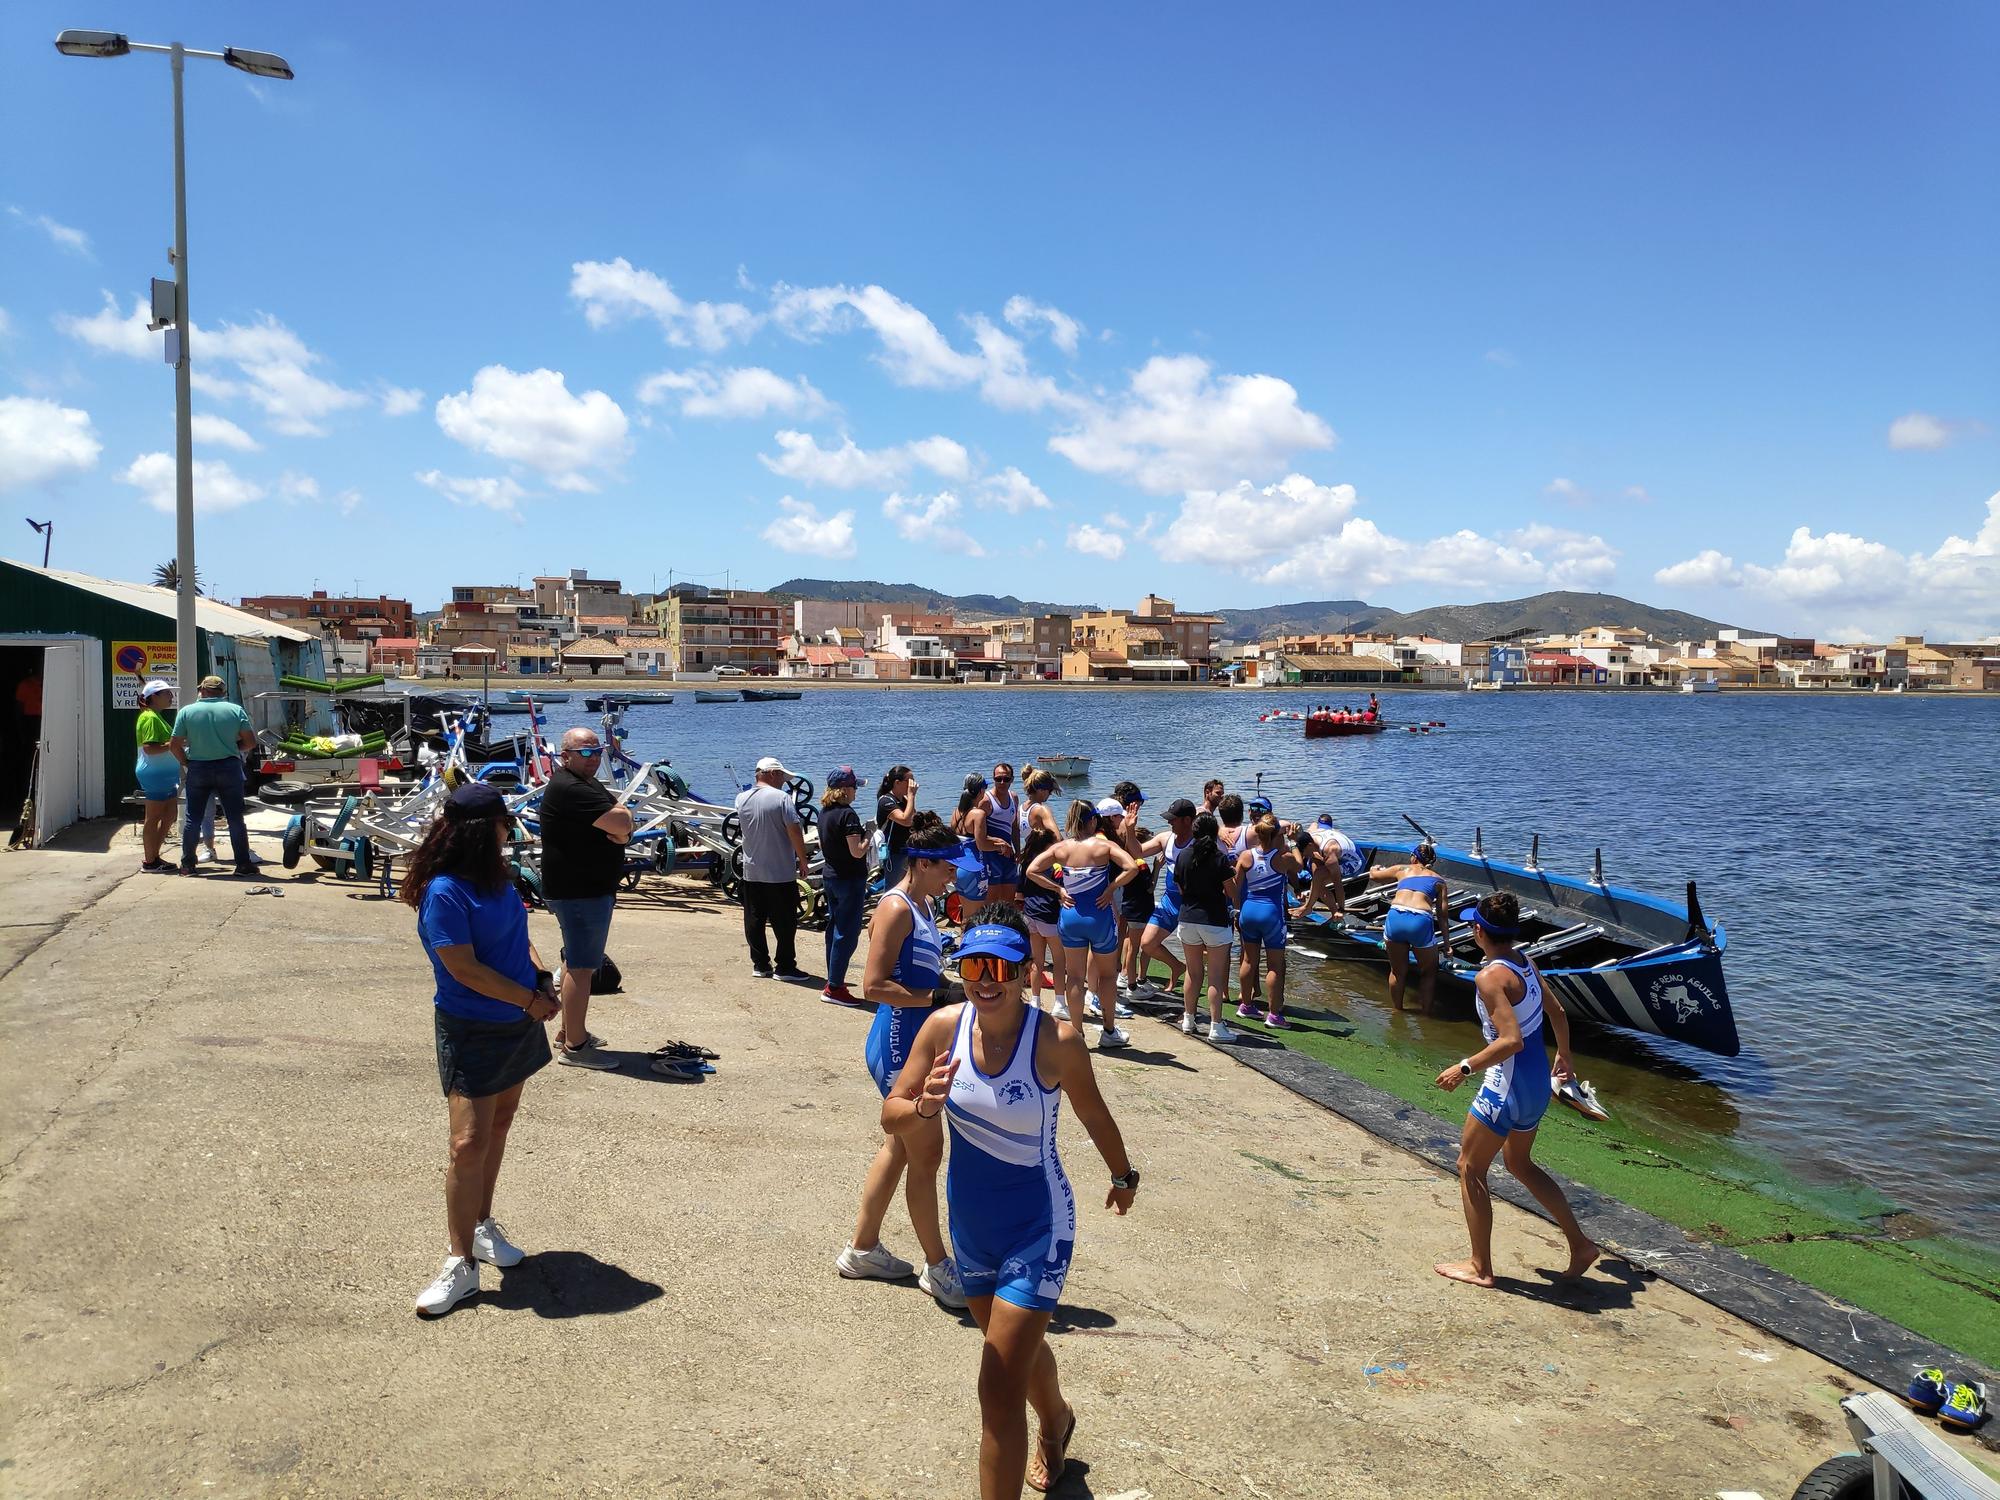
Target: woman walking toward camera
x=493, y=998
x=996, y=1069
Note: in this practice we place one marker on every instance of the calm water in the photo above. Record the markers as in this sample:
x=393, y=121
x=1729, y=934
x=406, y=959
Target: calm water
x=1840, y=840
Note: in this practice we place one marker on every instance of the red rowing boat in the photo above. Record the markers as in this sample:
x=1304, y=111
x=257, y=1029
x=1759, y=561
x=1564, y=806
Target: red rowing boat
x=1327, y=727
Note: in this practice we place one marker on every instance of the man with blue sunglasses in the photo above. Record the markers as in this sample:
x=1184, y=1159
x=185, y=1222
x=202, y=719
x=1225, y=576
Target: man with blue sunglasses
x=584, y=834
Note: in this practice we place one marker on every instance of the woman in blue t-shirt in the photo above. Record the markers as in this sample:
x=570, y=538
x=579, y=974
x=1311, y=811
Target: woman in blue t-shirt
x=493, y=999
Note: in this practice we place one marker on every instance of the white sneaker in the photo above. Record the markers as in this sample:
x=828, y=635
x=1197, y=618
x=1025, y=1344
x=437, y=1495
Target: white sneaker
x=1092, y=1011
x=1221, y=1031
x=871, y=1265
x=589, y=1055
x=458, y=1280
x=1124, y=985
x=1061, y=1010
x=1122, y=1010
x=941, y=1281
x=490, y=1244
x=1112, y=1038
x=1187, y=1024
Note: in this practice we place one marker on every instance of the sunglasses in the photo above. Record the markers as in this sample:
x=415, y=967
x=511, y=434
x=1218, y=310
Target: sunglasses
x=584, y=750
x=987, y=968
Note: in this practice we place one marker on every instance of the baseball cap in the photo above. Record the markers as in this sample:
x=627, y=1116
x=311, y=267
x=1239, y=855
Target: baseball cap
x=1110, y=807
x=1180, y=807
x=772, y=763
x=1325, y=820
x=155, y=685
x=473, y=801
x=1259, y=804
x=841, y=776
x=1001, y=942
x=975, y=782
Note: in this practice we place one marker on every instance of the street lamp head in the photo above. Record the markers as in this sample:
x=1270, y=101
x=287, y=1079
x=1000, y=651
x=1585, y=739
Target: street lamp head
x=263, y=64
x=92, y=44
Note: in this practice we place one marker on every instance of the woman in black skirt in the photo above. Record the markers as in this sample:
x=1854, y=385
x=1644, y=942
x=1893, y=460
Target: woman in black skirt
x=493, y=998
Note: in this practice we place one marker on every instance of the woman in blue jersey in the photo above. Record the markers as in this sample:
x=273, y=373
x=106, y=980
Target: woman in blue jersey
x=1415, y=914
x=1263, y=872
x=1513, y=1007
x=996, y=1069
x=1041, y=906
x=1094, y=868
x=905, y=970
x=994, y=826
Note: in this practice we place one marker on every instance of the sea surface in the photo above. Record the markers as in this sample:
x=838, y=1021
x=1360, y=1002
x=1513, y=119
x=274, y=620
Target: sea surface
x=1847, y=843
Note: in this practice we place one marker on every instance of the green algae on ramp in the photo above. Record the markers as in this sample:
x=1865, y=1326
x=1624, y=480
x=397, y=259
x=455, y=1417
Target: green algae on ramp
x=1845, y=1242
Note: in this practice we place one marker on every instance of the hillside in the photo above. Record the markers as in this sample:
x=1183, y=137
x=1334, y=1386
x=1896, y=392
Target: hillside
x=915, y=596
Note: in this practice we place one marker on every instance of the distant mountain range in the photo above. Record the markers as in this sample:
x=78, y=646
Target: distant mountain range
x=1552, y=612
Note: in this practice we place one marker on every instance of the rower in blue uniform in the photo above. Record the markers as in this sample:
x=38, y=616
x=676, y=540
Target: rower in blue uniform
x=1411, y=925
x=1264, y=870
x=994, y=826
x=1094, y=868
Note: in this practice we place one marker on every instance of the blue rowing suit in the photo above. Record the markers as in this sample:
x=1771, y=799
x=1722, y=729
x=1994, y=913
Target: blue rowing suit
x=1003, y=821
x=1516, y=1092
x=1262, y=919
x=1091, y=922
x=1417, y=928
x=1167, y=896
x=920, y=967
x=1013, y=1213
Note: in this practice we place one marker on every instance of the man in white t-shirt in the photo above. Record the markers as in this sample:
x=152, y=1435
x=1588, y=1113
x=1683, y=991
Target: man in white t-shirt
x=774, y=859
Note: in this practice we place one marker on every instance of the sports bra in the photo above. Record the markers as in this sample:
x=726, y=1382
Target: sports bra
x=1263, y=881
x=1430, y=885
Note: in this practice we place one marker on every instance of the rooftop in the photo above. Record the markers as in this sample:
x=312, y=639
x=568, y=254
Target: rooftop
x=209, y=614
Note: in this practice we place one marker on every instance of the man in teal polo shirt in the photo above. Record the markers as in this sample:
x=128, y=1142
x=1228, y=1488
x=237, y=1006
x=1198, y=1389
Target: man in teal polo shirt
x=210, y=736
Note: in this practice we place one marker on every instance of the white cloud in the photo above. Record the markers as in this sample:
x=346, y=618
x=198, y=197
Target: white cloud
x=41, y=441
x=501, y=494
x=1096, y=542
x=399, y=401
x=1182, y=428
x=751, y=391
x=1006, y=381
x=531, y=418
x=272, y=365
x=1837, y=575
x=217, y=487
x=1025, y=313
x=219, y=432
x=931, y=521
x=1501, y=357
x=73, y=240
x=1012, y=491
x=1921, y=432
x=849, y=467
x=801, y=528
x=1246, y=523
x=1568, y=491
x=616, y=291
x=913, y=351
x=295, y=486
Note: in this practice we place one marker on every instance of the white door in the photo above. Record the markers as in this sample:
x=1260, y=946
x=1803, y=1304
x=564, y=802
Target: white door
x=58, y=779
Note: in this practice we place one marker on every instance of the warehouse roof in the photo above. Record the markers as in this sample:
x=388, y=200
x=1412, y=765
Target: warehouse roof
x=209, y=614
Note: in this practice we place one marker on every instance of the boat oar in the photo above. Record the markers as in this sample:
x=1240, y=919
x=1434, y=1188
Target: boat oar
x=1421, y=830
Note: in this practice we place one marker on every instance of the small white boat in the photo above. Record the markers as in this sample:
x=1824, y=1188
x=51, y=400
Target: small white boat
x=1706, y=684
x=1486, y=687
x=1064, y=767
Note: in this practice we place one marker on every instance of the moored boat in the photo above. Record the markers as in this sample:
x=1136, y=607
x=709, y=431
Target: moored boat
x=1494, y=686
x=770, y=695
x=1706, y=684
x=600, y=703
x=703, y=695
x=525, y=695
x=1615, y=956
x=1064, y=767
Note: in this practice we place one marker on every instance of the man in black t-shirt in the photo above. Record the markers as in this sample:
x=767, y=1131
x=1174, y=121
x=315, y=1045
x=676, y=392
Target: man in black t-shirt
x=584, y=833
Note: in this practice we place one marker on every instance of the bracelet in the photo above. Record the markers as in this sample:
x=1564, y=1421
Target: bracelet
x=917, y=1105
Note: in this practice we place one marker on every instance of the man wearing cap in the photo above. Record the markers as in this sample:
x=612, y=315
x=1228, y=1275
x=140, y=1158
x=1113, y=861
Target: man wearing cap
x=774, y=859
x=584, y=834
x=210, y=736
x=844, y=846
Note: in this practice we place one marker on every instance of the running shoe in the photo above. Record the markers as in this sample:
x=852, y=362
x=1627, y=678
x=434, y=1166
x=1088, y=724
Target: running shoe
x=1928, y=1390
x=794, y=976
x=490, y=1244
x=1111, y=1039
x=941, y=1281
x=1249, y=1011
x=1187, y=1024
x=759, y=972
x=1092, y=1011
x=1276, y=1022
x=1121, y=1010
x=589, y=1055
x=1124, y=985
x=1965, y=1408
x=840, y=994
x=458, y=1280
x=871, y=1265
x=1221, y=1031
x=1060, y=1010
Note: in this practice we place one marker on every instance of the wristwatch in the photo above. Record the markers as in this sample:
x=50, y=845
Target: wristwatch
x=1128, y=1181
x=1464, y=1069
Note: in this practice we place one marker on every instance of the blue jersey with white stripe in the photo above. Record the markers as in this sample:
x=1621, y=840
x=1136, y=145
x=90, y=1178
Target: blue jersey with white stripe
x=1263, y=881
x=1516, y=1090
x=1085, y=884
x=1002, y=819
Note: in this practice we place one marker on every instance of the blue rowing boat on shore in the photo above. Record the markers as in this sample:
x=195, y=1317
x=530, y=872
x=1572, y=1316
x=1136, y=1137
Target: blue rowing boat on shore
x=1615, y=956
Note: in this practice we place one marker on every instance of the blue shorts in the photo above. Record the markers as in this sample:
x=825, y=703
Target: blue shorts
x=1016, y=1247
x=159, y=777
x=1166, y=916
x=585, y=922
x=1001, y=869
x=1416, y=928
x=1095, y=929
x=1262, y=922
x=1519, y=1106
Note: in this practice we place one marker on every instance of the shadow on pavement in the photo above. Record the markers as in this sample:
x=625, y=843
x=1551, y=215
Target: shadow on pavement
x=569, y=1284
x=1608, y=1286
x=1141, y=1055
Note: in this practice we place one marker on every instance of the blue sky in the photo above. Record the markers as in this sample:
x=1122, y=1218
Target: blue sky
x=1694, y=304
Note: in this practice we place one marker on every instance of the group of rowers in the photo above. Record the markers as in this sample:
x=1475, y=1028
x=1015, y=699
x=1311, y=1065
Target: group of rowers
x=1085, y=906
x=1372, y=714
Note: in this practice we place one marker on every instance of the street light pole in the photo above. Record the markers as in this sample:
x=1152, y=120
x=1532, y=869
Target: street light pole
x=185, y=665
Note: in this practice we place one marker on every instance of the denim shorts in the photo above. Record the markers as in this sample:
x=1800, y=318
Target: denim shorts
x=585, y=922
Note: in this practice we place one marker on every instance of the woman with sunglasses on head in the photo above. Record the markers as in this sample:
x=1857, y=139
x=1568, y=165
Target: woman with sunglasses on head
x=997, y=1069
x=1264, y=871
x=994, y=827
x=904, y=972
x=1088, y=924
x=492, y=1001
x=1515, y=1092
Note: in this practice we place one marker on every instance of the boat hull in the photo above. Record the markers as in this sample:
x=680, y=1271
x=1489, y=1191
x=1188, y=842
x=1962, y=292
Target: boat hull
x=1064, y=767
x=708, y=697
x=1671, y=984
x=1334, y=729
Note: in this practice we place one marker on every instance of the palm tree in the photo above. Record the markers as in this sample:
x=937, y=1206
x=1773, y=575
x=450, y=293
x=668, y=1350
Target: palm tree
x=167, y=575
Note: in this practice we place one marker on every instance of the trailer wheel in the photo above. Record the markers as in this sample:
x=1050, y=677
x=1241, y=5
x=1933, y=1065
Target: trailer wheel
x=529, y=887
x=808, y=815
x=295, y=842
x=364, y=858
x=1848, y=1477
x=732, y=827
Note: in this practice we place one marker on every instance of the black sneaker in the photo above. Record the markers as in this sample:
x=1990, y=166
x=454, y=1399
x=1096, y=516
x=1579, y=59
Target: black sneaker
x=796, y=976
x=757, y=971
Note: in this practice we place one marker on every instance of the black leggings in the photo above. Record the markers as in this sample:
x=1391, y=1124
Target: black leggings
x=776, y=902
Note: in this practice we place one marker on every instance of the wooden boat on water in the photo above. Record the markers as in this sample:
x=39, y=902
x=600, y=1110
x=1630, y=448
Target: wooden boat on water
x=770, y=695
x=1064, y=767
x=602, y=703
x=1337, y=726
x=703, y=695
x=1615, y=956
x=524, y=695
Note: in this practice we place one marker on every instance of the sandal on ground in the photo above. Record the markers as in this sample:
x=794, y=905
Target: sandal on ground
x=685, y=1052
x=1041, y=1478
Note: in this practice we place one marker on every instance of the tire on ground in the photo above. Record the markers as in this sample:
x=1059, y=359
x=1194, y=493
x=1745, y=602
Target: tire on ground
x=1847, y=1477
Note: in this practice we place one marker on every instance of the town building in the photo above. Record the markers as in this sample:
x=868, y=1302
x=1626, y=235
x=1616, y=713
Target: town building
x=1031, y=646
x=352, y=619
x=708, y=628
x=1154, y=643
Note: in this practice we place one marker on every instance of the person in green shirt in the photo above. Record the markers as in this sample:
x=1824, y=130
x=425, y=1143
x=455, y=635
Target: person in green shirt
x=159, y=772
x=209, y=738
